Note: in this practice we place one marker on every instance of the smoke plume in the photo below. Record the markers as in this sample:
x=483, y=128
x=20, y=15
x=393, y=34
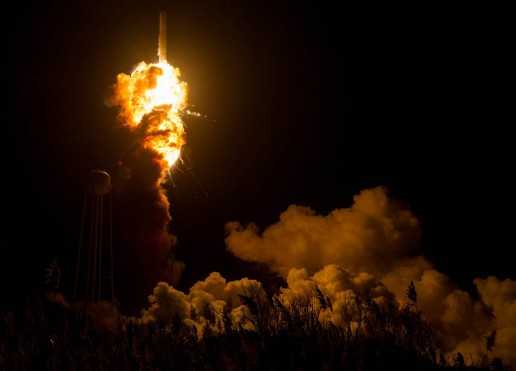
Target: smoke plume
x=373, y=246
x=370, y=249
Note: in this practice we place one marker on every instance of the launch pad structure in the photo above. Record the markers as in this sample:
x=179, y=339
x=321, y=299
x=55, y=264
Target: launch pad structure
x=94, y=279
x=94, y=282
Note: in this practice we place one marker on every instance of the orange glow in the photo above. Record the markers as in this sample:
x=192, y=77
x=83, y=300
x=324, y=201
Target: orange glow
x=151, y=99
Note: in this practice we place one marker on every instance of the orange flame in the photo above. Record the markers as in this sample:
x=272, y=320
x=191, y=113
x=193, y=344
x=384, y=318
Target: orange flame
x=152, y=99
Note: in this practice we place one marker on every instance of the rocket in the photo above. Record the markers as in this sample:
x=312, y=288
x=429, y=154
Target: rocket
x=162, y=40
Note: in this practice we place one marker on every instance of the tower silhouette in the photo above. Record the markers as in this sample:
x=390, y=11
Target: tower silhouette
x=94, y=272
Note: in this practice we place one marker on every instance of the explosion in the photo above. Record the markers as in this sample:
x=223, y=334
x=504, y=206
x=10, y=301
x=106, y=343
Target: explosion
x=151, y=101
x=150, y=104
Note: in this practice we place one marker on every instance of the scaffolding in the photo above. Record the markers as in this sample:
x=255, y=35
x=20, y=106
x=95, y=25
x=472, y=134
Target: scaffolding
x=94, y=281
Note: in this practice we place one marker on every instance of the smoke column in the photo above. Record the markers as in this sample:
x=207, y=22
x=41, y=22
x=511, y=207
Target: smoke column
x=150, y=104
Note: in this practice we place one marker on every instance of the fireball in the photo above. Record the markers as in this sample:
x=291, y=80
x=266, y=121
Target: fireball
x=151, y=100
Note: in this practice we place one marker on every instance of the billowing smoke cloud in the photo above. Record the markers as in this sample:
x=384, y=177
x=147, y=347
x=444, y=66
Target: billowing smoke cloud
x=373, y=247
x=149, y=103
x=204, y=305
x=374, y=235
x=500, y=296
x=144, y=244
x=370, y=249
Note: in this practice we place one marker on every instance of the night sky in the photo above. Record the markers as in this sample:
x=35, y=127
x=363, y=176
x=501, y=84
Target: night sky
x=305, y=105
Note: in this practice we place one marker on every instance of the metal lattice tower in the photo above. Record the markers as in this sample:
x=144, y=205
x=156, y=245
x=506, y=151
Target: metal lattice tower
x=94, y=274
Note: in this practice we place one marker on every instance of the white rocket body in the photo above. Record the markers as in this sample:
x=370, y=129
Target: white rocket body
x=162, y=41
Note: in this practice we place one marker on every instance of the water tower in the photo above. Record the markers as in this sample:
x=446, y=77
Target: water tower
x=94, y=273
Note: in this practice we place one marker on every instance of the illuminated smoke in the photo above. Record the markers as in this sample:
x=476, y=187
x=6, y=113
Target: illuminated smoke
x=370, y=250
x=373, y=247
x=150, y=102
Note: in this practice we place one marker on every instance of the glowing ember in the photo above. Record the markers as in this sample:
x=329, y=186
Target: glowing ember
x=151, y=100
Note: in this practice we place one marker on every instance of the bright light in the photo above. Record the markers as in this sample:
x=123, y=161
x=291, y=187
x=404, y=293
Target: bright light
x=152, y=99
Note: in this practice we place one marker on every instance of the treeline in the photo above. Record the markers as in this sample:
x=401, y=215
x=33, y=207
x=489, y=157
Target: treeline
x=46, y=334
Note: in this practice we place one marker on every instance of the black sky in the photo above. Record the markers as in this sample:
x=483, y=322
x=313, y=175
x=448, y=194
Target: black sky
x=303, y=104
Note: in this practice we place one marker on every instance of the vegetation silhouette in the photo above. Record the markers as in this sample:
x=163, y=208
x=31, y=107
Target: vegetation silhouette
x=50, y=334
